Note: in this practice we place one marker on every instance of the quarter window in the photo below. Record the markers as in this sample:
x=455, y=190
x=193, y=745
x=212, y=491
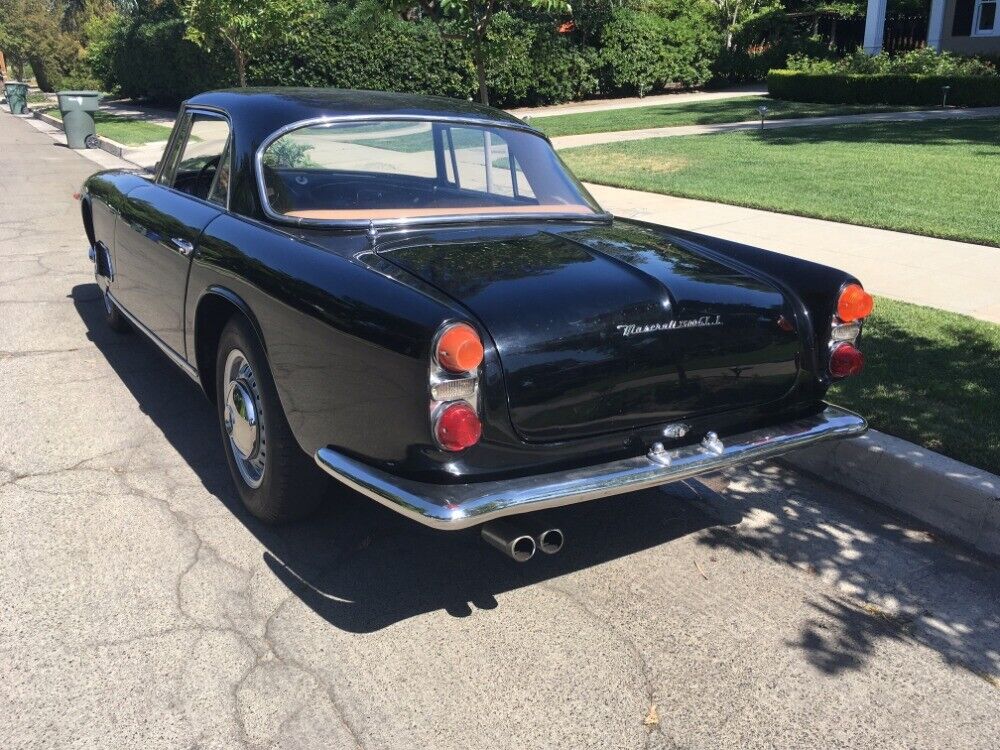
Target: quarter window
x=200, y=162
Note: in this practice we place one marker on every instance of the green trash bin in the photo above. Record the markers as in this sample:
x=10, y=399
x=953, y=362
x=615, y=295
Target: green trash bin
x=77, y=108
x=17, y=96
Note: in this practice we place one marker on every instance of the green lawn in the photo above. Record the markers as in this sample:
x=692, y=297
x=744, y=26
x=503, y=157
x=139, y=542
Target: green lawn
x=695, y=113
x=122, y=129
x=935, y=178
x=930, y=377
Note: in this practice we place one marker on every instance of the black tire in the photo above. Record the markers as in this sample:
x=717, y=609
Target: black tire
x=290, y=485
x=114, y=317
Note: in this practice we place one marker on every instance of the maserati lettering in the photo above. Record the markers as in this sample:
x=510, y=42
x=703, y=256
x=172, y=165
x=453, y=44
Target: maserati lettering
x=705, y=321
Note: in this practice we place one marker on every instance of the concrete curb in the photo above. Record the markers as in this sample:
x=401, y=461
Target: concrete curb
x=106, y=144
x=958, y=500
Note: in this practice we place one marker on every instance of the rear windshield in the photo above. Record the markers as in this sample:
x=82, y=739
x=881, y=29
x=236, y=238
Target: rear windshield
x=400, y=169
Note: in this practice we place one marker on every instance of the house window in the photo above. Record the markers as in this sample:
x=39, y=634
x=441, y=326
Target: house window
x=985, y=23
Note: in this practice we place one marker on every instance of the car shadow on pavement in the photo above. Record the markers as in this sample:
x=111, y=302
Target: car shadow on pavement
x=362, y=567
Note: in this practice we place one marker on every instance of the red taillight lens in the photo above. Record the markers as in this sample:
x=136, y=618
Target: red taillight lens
x=854, y=303
x=457, y=427
x=845, y=361
x=459, y=348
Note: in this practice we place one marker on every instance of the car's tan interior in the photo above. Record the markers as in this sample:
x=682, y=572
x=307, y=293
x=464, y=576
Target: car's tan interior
x=412, y=213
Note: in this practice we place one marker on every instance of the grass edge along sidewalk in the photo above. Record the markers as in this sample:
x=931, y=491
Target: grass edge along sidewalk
x=931, y=377
x=711, y=112
x=930, y=178
x=124, y=130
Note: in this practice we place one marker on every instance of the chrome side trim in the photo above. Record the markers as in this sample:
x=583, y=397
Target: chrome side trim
x=173, y=356
x=458, y=506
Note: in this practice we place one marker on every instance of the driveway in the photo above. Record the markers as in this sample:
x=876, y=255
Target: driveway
x=140, y=607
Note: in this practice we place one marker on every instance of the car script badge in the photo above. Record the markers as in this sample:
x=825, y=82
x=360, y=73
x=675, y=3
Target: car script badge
x=705, y=321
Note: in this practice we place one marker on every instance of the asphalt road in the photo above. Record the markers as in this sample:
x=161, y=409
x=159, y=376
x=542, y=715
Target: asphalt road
x=140, y=607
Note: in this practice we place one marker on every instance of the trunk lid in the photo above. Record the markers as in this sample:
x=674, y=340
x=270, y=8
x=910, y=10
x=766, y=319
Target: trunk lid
x=601, y=329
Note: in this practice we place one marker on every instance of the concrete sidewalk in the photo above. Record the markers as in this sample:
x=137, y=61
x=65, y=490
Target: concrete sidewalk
x=593, y=139
x=948, y=275
x=600, y=105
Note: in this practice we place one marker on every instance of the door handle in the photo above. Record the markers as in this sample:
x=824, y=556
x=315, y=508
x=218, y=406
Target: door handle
x=184, y=247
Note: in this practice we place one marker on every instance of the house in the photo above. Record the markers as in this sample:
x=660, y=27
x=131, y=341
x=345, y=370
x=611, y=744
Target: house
x=969, y=27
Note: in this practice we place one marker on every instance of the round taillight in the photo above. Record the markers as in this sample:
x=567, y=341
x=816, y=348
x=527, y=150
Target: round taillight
x=845, y=361
x=459, y=348
x=457, y=427
x=854, y=303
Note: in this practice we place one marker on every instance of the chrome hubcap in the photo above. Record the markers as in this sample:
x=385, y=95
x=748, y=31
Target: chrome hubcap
x=242, y=418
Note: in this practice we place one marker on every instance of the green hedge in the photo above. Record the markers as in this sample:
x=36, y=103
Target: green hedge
x=527, y=62
x=148, y=57
x=362, y=45
x=855, y=88
x=642, y=51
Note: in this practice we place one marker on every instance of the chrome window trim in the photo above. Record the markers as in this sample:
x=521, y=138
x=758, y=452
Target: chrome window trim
x=599, y=216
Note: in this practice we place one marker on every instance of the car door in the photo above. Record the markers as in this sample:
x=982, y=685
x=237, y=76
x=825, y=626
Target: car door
x=161, y=223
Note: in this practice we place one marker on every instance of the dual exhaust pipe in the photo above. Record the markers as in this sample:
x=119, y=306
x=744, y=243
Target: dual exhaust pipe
x=519, y=542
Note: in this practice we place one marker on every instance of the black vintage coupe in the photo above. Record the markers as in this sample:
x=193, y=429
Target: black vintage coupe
x=415, y=295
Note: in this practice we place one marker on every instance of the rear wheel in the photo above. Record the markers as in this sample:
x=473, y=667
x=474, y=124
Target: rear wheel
x=276, y=481
x=113, y=316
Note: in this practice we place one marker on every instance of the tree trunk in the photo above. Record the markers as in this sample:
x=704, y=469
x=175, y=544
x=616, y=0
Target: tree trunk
x=240, y=59
x=479, y=54
x=241, y=69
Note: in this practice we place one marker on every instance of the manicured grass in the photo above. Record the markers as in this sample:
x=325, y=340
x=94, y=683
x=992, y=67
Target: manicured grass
x=930, y=377
x=122, y=129
x=936, y=178
x=695, y=113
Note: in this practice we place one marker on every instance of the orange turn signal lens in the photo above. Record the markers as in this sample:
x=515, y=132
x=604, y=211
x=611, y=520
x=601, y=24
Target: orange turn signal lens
x=854, y=303
x=459, y=348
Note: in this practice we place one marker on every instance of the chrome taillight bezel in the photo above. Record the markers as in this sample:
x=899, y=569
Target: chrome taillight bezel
x=446, y=388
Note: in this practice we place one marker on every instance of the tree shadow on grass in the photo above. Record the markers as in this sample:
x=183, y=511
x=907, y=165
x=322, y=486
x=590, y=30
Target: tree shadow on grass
x=931, y=378
x=981, y=132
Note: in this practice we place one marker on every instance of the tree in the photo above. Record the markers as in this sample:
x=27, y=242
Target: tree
x=244, y=26
x=469, y=20
x=733, y=13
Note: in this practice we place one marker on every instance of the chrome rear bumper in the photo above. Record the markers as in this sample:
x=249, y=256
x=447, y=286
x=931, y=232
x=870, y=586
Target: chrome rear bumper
x=458, y=506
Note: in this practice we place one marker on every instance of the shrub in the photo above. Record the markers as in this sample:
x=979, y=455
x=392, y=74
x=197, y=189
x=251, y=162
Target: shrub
x=743, y=65
x=529, y=62
x=366, y=49
x=883, y=88
x=924, y=61
x=148, y=57
x=644, y=50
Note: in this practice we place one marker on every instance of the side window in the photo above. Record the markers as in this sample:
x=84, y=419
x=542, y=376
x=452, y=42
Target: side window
x=200, y=163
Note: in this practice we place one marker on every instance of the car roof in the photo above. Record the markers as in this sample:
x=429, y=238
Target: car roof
x=265, y=110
